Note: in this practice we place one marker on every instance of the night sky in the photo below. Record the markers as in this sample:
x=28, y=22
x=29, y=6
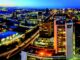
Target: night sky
x=41, y=3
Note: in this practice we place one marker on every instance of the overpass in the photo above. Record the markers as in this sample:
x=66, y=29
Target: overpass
x=33, y=36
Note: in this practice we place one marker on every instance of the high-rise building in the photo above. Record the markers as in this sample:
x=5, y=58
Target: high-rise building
x=63, y=32
x=77, y=37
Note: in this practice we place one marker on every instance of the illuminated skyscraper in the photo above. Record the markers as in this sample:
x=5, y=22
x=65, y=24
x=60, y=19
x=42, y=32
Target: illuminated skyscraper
x=63, y=32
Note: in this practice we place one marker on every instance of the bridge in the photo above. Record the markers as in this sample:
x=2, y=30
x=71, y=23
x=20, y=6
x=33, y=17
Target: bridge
x=34, y=34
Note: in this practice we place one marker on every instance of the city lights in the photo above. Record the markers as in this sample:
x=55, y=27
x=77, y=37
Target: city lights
x=44, y=53
x=41, y=33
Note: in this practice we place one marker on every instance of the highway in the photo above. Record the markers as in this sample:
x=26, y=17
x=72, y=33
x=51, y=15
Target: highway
x=20, y=47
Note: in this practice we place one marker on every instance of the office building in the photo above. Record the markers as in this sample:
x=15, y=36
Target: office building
x=63, y=36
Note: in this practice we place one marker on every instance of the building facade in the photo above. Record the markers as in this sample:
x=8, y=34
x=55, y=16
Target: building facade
x=63, y=36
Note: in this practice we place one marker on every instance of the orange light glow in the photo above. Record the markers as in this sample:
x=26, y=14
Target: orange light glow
x=78, y=22
x=49, y=54
x=42, y=53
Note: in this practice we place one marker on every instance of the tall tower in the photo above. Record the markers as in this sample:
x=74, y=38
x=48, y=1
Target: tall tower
x=59, y=36
x=63, y=32
x=69, y=38
x=77, y=37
